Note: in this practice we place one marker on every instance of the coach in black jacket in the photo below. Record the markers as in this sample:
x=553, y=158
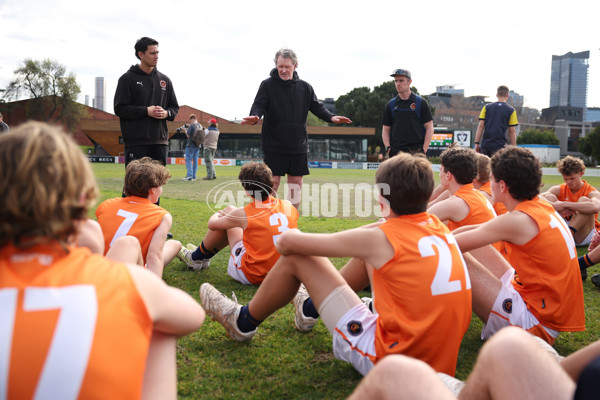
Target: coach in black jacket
x=285, y=100
x=144, y=100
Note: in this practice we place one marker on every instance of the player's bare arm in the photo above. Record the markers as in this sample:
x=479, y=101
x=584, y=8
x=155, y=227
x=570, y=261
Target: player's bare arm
x=453, y=209
x=229, y=217
x=514, y=227
x=370, y=245
x=173, y=311
x=154, y=258
x=554, y=191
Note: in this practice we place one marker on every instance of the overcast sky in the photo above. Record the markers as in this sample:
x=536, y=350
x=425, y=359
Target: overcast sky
x=216, y=53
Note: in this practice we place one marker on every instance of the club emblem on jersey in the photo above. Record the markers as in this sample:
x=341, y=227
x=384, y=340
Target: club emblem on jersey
x=507, y=306
x=163, y=84
x=413, y=106
x=355, y=328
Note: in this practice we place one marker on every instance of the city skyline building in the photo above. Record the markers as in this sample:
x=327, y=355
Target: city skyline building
x=569, y=80
x=99, y=99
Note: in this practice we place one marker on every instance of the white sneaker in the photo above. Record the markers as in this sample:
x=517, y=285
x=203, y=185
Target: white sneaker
x=185, y=255
x=455, y=385
x=302, y=322
x=191, y=246
x=223, y=310
x=367, y=302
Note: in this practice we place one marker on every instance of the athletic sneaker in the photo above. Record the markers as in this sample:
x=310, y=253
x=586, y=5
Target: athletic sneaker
x=584, y=273
x=302, y=322
x=192, y=248
x=596, y=279
x=368, y=301
x=455, y=385
x=223, y=310
x=185, y=255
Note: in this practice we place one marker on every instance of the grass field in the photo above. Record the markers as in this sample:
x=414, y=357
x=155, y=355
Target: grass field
x=281, y=363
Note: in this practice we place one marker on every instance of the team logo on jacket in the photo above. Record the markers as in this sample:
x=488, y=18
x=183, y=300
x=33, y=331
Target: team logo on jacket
x=355, y=328
x=507, y=306
x=413, y=106
x=163, y=84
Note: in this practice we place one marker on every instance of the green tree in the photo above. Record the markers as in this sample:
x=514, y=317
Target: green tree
x=313, y=120
x=365, y=107
x=52, y=91
x=538, y=136
x=589, y=145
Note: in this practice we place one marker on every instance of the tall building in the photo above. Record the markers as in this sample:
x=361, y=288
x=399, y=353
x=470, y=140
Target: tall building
x=569, y=79
x=449, y=89
x=100, y=100
x=515, y=99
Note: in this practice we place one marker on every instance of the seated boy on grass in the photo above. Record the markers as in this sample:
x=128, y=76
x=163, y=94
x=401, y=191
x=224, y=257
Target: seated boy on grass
x=418, y=278
x=538, y=286
x=75, y=324
x=250, y=232
x=137, y=215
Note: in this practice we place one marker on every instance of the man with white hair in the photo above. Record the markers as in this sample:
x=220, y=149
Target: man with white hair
x=285, y=100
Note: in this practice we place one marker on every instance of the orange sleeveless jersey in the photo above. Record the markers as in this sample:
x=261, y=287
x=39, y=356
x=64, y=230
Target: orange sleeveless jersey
x=480, y=209
x=266, y=221
x=132, y=216
x=423, y=294
x=547, y=272
x=73, y=325
x=498, y=207
x=566, y=195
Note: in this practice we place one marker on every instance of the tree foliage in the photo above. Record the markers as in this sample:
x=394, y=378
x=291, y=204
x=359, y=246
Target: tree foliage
x=52, y=91
x=589, y=145
x=313, y=120
x=538, y=136
x=365, y=106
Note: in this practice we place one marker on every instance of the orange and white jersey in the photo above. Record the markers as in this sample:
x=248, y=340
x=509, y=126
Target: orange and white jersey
x=566, y=195
x=498, y=207
x=73, y=326
x=546, y=270
x=266, y=221
x=480, y=209
x=133, y=216
x=423, y=294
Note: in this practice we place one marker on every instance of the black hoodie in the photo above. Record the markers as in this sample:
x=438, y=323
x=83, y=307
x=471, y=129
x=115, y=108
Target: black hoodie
x=285, y=105
x=136, y=91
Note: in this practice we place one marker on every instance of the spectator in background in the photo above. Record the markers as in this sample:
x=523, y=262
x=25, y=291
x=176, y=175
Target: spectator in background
x=494, y=120
x=192, y=150
x=210, y=147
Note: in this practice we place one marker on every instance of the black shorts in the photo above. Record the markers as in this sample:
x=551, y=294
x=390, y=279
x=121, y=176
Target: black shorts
x=290, y=164
x=154, y=151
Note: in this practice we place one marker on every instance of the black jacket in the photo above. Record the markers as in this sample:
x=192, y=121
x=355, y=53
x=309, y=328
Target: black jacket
x=285, y=105
x=136, y=91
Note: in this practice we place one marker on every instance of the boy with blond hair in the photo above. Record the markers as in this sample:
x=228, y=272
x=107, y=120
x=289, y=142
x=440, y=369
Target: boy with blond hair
x=63, y=307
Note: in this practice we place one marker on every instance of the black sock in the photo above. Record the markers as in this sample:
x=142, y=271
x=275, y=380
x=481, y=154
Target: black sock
x=585, y=262
x=202, y=253
x=309, y=309
x=246, y=322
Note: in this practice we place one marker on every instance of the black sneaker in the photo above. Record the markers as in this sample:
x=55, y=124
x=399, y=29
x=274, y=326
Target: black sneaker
x=169, y=235
x=596, y=279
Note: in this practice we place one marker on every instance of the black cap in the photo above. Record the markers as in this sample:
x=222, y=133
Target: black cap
x=403, y=72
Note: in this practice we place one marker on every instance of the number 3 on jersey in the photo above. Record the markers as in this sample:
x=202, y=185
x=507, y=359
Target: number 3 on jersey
x=441, y=281
x=281, y=222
